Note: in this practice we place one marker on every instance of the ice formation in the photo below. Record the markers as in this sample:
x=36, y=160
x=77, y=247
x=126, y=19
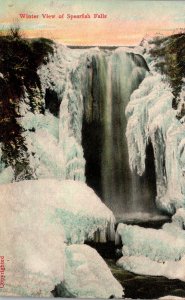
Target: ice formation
x=76, y=206
x=88, y=276
x=145, y=266
x=38, y=219
x=54, y=138
x=155, y=252
x=152, y=119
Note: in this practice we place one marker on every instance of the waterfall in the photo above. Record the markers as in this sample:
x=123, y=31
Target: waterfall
x=110, y=79
x=82, y=133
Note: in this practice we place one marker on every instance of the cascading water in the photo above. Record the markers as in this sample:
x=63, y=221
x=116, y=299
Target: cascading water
x=110, y=78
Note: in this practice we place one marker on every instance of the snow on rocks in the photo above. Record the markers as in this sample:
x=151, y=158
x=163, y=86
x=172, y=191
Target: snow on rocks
x=73, y=203
x=145, y=266
x=159, y=245
x=88, y=276
x=32, y=266
x=37, y=219
x=154, y=252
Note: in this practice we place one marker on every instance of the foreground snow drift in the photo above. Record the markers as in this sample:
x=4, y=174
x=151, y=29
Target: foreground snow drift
x=155, y=252
x=88, y=276
x=37, y=218
x=32, y=245
x=73, y=204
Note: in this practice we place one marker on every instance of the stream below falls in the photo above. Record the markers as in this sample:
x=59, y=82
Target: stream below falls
x=146, y=287
x=139, y=286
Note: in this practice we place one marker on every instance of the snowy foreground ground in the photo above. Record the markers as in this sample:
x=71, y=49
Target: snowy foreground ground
x=43, y=225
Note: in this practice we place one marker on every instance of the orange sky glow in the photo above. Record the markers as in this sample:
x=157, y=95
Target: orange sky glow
x=127, y=22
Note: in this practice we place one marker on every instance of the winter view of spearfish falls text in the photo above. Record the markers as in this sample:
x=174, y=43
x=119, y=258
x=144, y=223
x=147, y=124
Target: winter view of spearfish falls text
x=92, y=168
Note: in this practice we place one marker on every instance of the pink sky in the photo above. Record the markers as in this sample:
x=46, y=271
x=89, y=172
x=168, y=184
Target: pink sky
x=127, y=22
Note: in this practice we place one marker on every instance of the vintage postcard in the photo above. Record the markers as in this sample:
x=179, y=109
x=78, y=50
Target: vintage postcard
x=92, y=149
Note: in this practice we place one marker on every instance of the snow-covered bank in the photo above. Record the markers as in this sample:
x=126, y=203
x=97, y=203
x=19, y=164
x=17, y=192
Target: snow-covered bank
x=154, y=252
x=145, y=266
x=73, y=204
x=37, y=219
